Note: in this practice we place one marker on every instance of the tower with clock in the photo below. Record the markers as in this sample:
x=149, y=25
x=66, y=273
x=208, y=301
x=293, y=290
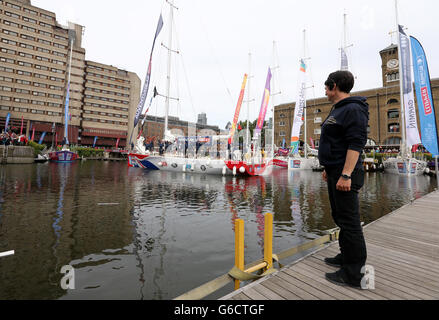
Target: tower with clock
x=390, y=66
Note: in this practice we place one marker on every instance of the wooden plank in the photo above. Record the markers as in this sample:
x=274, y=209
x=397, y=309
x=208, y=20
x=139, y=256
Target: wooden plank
x=391, y=244
x=317, y=294
x=293, y=288
x=324, y=268
x=400, y=258
x=404, y=230
x=240, y=296
x=254, y=295
x=271, y=295
x=269, y=284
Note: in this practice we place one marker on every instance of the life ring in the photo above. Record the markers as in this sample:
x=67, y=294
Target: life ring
x=174, y=165
x=203, y=168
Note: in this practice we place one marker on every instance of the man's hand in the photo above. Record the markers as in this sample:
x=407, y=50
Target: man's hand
x=344, y=185
x=325, y=176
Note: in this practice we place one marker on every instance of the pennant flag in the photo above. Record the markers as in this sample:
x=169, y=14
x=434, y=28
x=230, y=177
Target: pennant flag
x=264, y=106
x=8, y=117
x=312, y=143
x=299, y=109
x=239, y=127
x=21, y=129
x=94, y=143
x=148, y=76
x=117, y=142
x=33, y=135
x=238, y=109
x=424, y=96
x=42, y=138
x=412, y=133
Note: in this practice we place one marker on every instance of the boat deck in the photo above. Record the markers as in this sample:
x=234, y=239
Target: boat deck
x=403, y=249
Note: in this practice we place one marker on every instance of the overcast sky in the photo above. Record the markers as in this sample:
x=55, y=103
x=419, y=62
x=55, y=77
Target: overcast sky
x=216, y=37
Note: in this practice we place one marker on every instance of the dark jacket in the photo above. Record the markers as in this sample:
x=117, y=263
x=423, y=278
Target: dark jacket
x=344, y=129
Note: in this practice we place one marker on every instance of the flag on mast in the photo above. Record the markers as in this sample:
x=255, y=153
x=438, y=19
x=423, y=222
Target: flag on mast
x=238, y=109
x=265, y=101
x=411, y=125
x=344, y=60
x=424, y=96
x=299, y=109
x=148, y=76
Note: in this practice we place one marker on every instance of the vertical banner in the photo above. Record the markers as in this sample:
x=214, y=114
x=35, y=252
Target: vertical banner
x=412, y=132
x=66, y=116
x=424, y=96
x=238, y=109
x=94, y=142
x=8, y=117
x=148, y=76
x=344, y=60
x=265, y=101
x=42, y=138
x=33, y=135
x=22, y=125
x=117, y=142
x=299, y=109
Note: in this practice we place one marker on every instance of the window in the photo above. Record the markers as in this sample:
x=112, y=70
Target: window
x=282, y=134
x=392, y=141
x=317, y=120
x=393, y=114
x=393, y=77
x=282, y=124
x=282, y=115
x=393, y=127
x=391, y=101
x=317, y=111
x=317, y=131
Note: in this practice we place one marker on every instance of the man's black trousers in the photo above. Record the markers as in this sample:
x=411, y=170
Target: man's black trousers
x=346, y=215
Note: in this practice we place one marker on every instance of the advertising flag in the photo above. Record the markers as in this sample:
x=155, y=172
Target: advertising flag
x=94, y=142
x=425, y=99
x=148, y=76
x=8, y=117
x=265, y=101
x=238, y=109
x=42, y=138
x=33, y=135
x=22, y=123
x=412, y=132
x=299, y=109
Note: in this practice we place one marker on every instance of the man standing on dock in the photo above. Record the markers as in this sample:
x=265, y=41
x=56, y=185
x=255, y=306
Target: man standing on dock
x=343, y=138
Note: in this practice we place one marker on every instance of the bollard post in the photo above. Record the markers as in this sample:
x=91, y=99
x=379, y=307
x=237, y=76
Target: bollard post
x=268, y=241
x=239, y=247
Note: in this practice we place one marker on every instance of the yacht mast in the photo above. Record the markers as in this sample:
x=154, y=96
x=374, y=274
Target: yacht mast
x=274, y=68
x=168, y=77
x=248, y=100
x=402, y=116
x=305, y=107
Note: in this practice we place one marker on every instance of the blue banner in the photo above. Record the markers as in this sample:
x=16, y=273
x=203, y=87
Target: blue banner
x=427, y=117
x=8, y=117
x=42, y=138
x=94, y=143
x=148, y=76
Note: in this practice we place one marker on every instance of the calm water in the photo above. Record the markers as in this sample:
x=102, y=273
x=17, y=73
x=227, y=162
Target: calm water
x=132, y=234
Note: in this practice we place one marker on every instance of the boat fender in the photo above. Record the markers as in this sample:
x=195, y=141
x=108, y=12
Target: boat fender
x=427, y=170
x=193, y=167
x=234, y=171
x=224, y=170
x=242, y=169
x=184, y=168
x=203, y=168
x=160, y=164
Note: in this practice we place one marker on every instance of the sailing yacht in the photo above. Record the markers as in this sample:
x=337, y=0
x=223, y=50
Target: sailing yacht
x=405, y=164
x=176, y=159
x=295, y=160
x=66, y=155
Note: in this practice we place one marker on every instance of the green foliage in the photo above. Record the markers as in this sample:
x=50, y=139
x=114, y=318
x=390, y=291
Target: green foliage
x=88, y=152
x=37, y=147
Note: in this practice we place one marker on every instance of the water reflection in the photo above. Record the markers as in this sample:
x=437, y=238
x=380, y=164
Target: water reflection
x=132, y=234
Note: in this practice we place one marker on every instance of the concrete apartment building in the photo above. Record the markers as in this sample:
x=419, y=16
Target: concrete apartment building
x=34, y=64
x=384, y=102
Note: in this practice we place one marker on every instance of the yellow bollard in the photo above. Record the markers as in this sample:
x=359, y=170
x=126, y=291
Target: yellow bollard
x=268, y=241
x=239, y=247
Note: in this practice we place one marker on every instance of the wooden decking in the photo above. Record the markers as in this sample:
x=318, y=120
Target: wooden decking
x=402, y=247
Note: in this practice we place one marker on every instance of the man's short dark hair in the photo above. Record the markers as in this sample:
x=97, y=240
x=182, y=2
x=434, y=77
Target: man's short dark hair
x=343, y=79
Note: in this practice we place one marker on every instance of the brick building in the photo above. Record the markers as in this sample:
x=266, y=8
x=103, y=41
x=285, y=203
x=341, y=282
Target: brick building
x=34, y=64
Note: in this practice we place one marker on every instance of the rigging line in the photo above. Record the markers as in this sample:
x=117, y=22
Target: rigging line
x=215, y=58
x=185, y=72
